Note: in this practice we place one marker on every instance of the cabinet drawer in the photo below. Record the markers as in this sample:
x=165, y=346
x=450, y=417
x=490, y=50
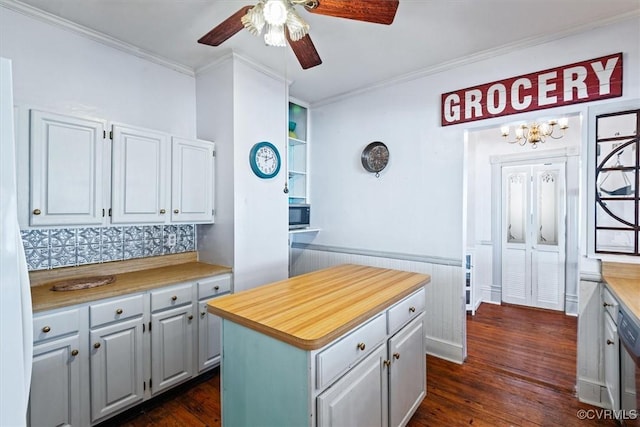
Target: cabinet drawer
x=342, y=355
x=610, y=303
x=171, y=297
x=56, y=324
x=214, y=286
x=119, y=309
x=405, y=310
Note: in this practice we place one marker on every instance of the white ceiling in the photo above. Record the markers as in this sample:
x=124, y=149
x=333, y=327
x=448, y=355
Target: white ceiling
x=426, y=34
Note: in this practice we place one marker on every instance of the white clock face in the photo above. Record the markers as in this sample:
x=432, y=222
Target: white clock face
x=266, y=160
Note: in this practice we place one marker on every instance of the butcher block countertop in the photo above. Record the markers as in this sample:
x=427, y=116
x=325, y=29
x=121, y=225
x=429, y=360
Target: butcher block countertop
x=313, y=309
x=131, y=276
x=624, y=281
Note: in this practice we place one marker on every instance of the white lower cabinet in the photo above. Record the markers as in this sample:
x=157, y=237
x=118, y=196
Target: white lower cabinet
x=95, y=360
x=360, y=397
x=172, y=337
x=56, y=380
x=116, y=367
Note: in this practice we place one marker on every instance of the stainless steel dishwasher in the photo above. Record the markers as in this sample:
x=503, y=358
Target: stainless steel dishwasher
x=629, y=333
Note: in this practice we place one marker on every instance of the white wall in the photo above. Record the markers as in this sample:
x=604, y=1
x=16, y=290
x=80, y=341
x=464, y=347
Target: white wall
x=415, y=208
x=239, y=105
x=57, y=70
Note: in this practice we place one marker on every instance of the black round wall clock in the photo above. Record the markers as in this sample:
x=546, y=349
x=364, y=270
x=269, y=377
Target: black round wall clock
x=375, y=157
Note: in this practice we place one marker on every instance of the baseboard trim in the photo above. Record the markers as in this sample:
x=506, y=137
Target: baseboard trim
x=447, y=350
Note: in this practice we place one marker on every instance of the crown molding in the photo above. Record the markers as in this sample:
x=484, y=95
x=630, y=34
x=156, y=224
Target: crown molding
x=236, y=56
x=96, y=36
x=479, y=56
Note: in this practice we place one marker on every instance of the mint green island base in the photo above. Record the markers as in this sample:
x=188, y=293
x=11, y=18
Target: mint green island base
x=264, y=381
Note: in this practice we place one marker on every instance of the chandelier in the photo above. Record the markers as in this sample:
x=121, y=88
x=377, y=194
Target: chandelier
x=536, y=132
x=275, y=15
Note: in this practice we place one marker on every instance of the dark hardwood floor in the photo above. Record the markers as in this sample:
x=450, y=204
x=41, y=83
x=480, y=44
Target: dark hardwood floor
x=520, y=371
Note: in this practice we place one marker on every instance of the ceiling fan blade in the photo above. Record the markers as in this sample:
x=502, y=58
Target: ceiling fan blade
x=377, y=11
x=226, y=29
x=305, y=52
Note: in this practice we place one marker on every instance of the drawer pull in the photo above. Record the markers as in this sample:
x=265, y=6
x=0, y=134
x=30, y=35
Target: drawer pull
x=396, y=356
x=609, y=342
x=216, y=288
x=119, y=311
x=190, y=317
x=173, y=298
x=96, y=345
x=74, y=352
x=46, y=329
x=387, y=363
x=361, y=346
x=412, y=309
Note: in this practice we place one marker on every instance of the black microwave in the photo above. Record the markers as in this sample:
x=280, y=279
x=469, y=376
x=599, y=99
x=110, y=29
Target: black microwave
x=299, y=216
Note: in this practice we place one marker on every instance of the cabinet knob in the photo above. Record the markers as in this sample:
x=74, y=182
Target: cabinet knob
x=119, y=311
x=163, y=211
x=396, y=356
x=387, y=363
x=203, y=313
x=46, y=329
x=176, y=211
x=361, y=346
x=190, y=317
x=606, y=304
x=37, y=211
x=609, y=342
x=173, y=298
x=216, y=288
x=96, y=345
x=412, y=309
x=74, y=352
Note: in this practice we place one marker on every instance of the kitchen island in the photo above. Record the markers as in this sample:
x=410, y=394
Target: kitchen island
x=339, y=346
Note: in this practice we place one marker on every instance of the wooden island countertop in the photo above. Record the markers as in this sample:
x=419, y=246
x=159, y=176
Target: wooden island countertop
x=313, y=309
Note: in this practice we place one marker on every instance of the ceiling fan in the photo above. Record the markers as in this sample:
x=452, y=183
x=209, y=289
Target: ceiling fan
x=282, y=23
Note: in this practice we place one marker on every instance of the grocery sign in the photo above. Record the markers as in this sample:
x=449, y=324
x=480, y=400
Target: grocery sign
x=585, y=81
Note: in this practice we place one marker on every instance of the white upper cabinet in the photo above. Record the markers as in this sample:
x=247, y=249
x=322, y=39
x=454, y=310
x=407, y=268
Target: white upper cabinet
x=66, y=171
x=139, y=175
x=142, y=176
x=192, y=180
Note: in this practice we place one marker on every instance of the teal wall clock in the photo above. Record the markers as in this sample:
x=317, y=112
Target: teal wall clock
x=264, y=159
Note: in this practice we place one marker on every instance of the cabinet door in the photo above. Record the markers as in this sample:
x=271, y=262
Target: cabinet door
x=171, y=347
x=359, y=398
x=408, y=372
x=66, y=172
x=192, y=175
x=611, y=352
x=139, y=175
x=209, y=340
x=116, y=367
x=55, y=385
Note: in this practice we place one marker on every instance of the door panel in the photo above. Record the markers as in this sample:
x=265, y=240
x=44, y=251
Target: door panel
x=533, y=235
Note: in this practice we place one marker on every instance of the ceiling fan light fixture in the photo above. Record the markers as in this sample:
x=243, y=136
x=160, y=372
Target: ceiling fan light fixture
x=275, y=36
x=275, y=12
x=254, y=19
x=297, y=27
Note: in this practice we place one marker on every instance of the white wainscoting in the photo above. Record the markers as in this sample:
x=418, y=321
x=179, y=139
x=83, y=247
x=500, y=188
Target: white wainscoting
x=445, y=303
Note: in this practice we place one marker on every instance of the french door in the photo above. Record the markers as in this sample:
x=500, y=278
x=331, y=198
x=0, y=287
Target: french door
x=533, y=235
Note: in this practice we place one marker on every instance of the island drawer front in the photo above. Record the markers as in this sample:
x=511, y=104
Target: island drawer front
x=401, y=313
x=344, y=354
x=214, y=286
x=610, y=303
x=172, y=297
x=120, y=309
x=55, y=325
